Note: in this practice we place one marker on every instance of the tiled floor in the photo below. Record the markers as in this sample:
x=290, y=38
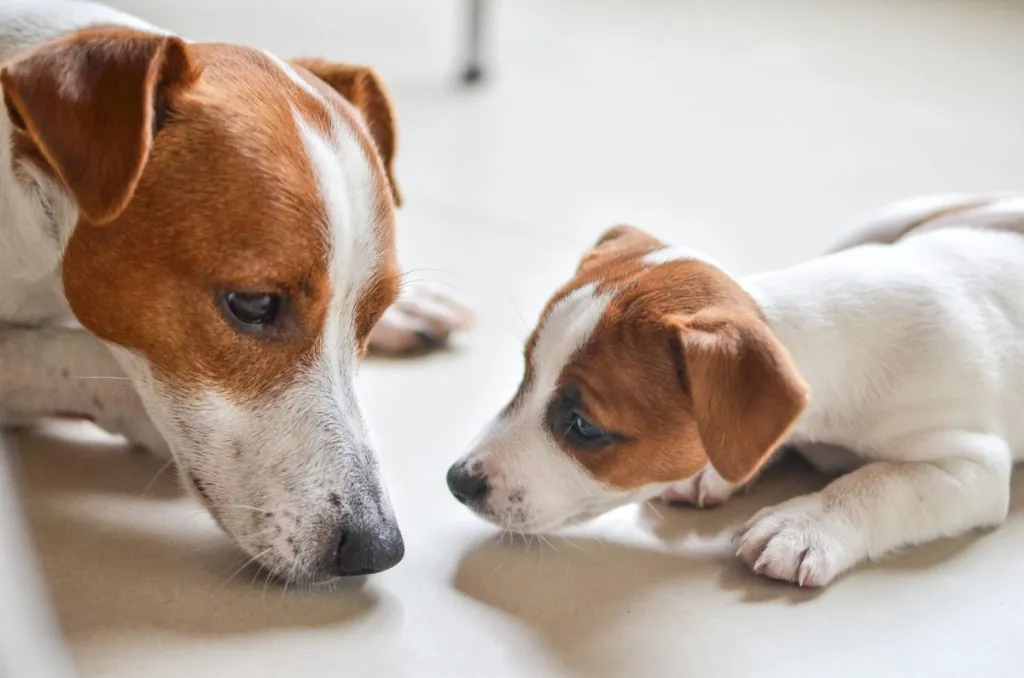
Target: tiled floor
x=753, y=130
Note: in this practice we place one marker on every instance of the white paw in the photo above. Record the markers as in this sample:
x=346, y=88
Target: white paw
x=705, y=489
x=423, y=318
x=800, y=541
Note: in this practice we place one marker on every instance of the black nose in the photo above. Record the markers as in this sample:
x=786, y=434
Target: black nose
x=467, y=487
x=362, y=551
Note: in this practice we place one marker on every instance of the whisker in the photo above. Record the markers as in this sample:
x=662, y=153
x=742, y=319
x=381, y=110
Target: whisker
x=519, y=312
x=108, y=378
x=246, y=506
x=246, y=564
x=650, y=505
x=204, y=547
x=158, y=474
x=272, y=572
x=574, y=545
x=546, y=541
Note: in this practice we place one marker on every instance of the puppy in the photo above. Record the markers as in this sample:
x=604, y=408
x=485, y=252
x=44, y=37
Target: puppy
x=196, y=248
x=654, y=372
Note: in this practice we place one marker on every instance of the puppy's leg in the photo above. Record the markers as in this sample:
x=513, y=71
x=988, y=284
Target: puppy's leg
x=706, y=489
x=58, y=371
x=422, y=319
x=962, y=482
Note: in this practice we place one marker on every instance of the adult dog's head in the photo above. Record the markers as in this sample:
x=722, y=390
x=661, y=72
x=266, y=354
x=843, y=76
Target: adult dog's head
x=235, y=244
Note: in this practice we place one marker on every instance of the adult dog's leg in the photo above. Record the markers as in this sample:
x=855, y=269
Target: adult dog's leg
x=67, y=371
x=422, y=319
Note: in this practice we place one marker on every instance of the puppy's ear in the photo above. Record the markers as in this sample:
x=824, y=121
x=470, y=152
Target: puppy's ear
x=744, y=389
x=90, y=104
x=364, y=89
x=619, y=241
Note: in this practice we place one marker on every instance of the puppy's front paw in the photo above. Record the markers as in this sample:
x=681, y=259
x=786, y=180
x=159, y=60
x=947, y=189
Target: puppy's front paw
x=799, y=541
x=706, y=489
x=422, y=319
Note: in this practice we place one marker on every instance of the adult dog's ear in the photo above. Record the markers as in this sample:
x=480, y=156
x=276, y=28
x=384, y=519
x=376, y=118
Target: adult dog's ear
x=618, y=241
x=90, y=104
x=744, y=390
x=364, y=89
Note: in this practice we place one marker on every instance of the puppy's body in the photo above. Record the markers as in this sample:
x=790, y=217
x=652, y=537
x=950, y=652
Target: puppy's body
x=196, y=246
x=910, y=352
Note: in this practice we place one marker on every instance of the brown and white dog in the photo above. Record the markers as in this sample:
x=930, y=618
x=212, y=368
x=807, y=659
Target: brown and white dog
x=653, y=372
x=221, y=224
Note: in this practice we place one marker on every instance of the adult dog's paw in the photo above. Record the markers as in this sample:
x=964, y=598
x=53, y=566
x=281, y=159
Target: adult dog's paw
x=422, y=319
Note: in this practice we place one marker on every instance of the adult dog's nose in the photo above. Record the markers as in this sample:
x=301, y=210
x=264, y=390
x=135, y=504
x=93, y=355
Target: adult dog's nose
x=362, y=551
x=466, y=486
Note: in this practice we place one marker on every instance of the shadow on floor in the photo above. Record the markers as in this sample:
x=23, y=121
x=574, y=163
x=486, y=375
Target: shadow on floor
x=579, y=589
x=119, y=556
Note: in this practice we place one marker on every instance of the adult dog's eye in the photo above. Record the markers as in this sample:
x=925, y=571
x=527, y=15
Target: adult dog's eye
x=582, y=432
x=253, y=310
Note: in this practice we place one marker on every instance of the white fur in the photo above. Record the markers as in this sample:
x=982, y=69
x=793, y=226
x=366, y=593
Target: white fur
x=914, y=356
x=914, y=359
x=517, y=445
x=303, y=457
x=670, y=253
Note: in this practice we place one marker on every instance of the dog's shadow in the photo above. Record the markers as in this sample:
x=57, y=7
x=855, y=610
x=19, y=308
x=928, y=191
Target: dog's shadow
x=572, y=592
x=123, y=548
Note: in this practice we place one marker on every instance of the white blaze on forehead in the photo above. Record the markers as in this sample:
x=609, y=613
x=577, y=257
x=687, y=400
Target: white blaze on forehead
x=562, y=332
x=345, y=181
x=672, y=253
x=521, y=449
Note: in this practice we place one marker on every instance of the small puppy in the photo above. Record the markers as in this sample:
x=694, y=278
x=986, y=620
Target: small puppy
x=654, y=372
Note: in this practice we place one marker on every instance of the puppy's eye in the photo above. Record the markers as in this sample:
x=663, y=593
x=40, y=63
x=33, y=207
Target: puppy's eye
x=253, y=311
x=582, y=432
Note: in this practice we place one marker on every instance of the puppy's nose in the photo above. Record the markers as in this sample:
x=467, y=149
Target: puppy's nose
x=361, y=551
x=466, y=486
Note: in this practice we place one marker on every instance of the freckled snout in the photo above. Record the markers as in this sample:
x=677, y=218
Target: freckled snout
x=469, y=485
x=362, y=538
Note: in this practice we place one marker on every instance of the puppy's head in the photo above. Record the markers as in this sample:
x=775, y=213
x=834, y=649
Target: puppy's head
x=234, y=244
x=649, y=364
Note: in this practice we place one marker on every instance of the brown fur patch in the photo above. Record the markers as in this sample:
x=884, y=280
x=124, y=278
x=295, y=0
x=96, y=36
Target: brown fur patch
x=226, y=201
x=681, y=367
x=364, y=89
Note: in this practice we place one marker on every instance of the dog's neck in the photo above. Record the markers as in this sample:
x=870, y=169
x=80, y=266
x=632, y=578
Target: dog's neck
x=817, y=310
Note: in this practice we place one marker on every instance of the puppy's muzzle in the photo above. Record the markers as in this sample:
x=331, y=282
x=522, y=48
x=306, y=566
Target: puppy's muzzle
x=470, y=487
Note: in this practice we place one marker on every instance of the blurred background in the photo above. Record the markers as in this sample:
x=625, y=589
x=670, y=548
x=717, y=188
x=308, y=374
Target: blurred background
x=754, y=130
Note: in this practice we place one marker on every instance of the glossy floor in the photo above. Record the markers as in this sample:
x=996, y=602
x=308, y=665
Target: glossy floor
x=751, y=130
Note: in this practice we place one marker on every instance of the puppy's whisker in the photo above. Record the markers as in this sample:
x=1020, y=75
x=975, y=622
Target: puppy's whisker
x=573, y=544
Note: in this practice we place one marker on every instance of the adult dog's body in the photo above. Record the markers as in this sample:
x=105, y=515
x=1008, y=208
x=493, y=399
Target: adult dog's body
x=196, y=248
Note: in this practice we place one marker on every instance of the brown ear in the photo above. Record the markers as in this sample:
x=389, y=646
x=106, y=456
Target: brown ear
x=364, y=89
x=619, y=241
x=90, y=103
x=745, y=390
